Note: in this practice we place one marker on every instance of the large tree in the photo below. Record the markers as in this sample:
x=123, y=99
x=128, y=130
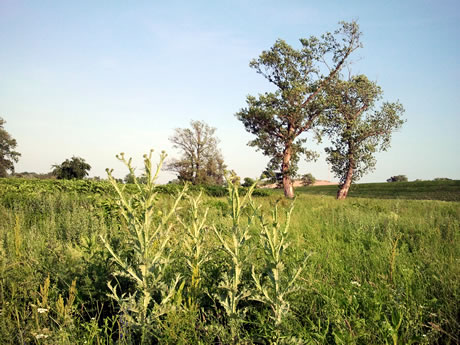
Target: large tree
x=279, y=118
x=74, y=168
x=7, y=154
x=201, y=161
x=357, y=129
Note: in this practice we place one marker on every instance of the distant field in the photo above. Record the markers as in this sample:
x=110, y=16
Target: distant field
x=423, y=190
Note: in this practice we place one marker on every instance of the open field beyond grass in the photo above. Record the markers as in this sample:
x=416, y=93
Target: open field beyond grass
x=374, y=270
x=419, y=190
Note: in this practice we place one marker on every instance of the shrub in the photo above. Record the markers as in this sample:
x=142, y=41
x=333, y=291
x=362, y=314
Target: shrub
x=248, y=182
x=308, y=179
x=398, y=178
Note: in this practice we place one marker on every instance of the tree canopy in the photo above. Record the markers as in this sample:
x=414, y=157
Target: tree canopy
x=8, y=156
x=357, y=130
x=74, y=168
x=201, y=161
x=279, y=118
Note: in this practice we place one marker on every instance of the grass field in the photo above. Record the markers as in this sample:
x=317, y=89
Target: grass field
x=420, y=190
x=379, y=270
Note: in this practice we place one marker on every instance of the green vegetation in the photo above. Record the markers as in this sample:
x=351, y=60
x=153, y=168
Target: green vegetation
x=85, y=262
x=447, y=190
x=279, y=119
x=308, y=179
x=358, y=129
x=74, y=168
x=398, y=178
x=7, y=154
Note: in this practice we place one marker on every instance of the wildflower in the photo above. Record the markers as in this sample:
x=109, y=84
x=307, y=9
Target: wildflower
x=40, y=336
x=353, y=282
x=42, y=310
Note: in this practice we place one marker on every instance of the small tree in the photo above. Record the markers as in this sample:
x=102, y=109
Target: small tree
x=398, y=178
x=74, y=168
x=248, y=182
x=201, y=161
x=7, y=154
x=357, y=131
x=129, y=178
x=279, y=118
x=308, y=179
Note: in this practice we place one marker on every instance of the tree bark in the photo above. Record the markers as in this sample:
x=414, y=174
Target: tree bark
x=343, y=191
x=287, y=182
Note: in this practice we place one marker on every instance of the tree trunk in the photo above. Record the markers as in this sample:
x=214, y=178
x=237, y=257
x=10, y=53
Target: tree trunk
x=287, y=182
x=343, y=191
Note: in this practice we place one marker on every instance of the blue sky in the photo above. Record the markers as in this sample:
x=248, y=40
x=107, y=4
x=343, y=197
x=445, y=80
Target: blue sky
x=93, y=79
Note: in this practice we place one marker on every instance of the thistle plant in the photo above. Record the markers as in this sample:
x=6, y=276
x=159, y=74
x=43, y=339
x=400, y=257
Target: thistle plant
x=194, y=245
x=148, y=232
x=234, y=245
x=277, y=281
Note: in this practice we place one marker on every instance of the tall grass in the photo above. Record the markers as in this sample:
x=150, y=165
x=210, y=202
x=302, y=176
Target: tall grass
x=378, y=271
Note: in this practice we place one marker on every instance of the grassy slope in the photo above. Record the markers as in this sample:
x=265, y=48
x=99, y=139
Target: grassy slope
x=423, y=190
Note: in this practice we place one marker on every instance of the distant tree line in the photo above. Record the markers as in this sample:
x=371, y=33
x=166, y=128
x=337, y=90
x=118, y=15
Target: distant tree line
x=312, y=95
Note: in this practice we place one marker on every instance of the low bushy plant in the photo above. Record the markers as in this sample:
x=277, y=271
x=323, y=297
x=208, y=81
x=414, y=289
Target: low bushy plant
x=308, y=179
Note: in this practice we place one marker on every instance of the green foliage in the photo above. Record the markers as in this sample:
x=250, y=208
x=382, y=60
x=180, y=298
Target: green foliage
x=194, y=243
x=74, y=168
x=398, y=178
x=7, y=154
x=248, y=182
x=148, y=233
x=201, y=161
x=308, y=179
x=405, y=290
x=356, y=129
x=279, y=118
x=235, y=245
x=277, y=282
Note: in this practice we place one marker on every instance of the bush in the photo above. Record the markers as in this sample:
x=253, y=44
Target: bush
x=308, y=179
x=248, y=182
x=398, y=178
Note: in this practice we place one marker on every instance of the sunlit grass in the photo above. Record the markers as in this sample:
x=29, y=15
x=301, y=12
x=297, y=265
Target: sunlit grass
x=378, y=271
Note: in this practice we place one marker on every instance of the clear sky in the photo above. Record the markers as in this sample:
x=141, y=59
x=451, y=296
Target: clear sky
x=95, y=78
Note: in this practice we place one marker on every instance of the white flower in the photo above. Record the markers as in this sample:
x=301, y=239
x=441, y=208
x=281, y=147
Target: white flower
x=39, y=336
x=42, y=310
x=355, y=283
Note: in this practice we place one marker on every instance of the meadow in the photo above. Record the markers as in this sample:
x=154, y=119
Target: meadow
x=85, y=262
x=447, y=190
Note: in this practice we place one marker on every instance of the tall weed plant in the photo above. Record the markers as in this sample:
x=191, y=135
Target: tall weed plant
x=148, y=232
